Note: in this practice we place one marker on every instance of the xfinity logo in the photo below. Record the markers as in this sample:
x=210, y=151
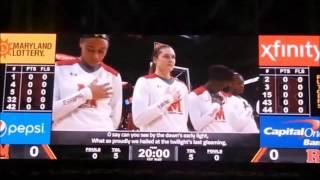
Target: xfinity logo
x=25, y=130
x=283, y=50
x=305, y=132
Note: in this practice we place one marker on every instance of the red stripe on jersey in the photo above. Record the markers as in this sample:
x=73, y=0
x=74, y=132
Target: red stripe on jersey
x=109, y=69
x=201, y=89
x=180, y=81
x=153, y=75
x=68, y=62
x=225, y=94
x=150, y=76
x=64, y=57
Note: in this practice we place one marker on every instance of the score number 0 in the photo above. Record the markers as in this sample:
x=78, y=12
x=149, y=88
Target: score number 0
x=274, y=154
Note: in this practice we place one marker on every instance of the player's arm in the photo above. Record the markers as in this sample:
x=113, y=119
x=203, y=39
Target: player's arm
x=246, y=116
x=250, y=126
x=143, y=113
x=62, y=107
x=199, y=119
x=116, y=101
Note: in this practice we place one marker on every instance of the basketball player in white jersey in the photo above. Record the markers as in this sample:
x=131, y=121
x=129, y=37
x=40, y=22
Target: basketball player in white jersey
x=206, y=103
x=87, y=93
x=237, y=89
x=159, y=100
x=213, y=108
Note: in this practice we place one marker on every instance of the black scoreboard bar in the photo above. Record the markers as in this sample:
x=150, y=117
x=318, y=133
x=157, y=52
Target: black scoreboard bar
x=164, y=153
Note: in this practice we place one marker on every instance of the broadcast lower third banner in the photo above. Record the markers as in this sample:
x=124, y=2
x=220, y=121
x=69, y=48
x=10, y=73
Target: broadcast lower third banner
x=290, y=131
x=25, y=128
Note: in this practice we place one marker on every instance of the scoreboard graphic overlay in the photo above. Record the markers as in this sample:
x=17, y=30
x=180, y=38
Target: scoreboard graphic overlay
x=288, y=111
x=289, y=99
x=27, y=74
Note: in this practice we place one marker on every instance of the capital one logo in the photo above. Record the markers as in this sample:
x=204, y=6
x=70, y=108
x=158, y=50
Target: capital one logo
x=312, y=132
x=289, y=50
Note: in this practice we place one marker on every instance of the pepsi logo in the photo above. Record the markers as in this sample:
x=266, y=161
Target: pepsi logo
x=3, y=128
